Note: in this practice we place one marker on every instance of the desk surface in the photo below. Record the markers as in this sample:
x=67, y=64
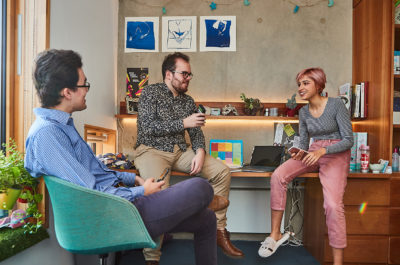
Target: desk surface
x=268, y=174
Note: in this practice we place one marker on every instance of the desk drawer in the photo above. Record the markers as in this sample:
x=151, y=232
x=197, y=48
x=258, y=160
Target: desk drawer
x=362, y=249
x=394, y=250
x=395, y=192
x=373, y=191
x=374, y=220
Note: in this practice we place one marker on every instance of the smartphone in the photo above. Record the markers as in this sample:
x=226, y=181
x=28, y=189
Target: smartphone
x=163, y=175
x=201, y=109
x=295, y=150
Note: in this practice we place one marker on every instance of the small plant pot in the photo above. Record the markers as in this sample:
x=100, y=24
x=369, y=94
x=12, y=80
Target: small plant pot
x=23, y=191
x=291, y=112
x=8, y=199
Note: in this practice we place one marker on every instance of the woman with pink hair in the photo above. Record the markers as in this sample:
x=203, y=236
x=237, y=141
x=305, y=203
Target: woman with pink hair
x=327, y=122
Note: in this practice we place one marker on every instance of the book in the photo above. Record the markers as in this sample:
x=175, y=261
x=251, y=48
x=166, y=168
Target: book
x=345, y=94
x=356, y=104
x=362, y=99
x=366, y=87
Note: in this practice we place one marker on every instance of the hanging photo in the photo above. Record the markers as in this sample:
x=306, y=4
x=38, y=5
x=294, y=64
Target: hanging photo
x=141, y=34
x=218, y=33
x=179, y=34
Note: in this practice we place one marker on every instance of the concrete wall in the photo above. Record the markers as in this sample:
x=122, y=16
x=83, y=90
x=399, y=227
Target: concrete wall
x=89, y=27
x=273, y=45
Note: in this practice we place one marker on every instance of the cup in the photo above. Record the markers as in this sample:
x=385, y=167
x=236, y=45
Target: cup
x=273, y=112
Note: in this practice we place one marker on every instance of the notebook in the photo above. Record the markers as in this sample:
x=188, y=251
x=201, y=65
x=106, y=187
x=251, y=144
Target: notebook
x=265, y=159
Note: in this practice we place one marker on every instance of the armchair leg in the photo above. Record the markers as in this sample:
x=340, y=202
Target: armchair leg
x=103, y=259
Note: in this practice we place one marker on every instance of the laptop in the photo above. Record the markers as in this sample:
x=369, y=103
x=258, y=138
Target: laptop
x=265, y=159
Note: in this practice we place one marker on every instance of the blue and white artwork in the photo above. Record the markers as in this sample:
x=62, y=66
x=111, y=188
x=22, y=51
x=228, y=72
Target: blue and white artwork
x=141, y=34
x=218, y=33
x=179, y=34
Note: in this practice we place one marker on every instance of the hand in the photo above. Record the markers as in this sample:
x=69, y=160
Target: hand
x=151, y=187
x=139, y=181
x=197, y=162
x=298, y=156
x=314, y=156
x=194, y=120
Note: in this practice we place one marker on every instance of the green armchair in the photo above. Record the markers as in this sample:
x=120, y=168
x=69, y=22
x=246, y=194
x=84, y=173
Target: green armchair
x=84, y=220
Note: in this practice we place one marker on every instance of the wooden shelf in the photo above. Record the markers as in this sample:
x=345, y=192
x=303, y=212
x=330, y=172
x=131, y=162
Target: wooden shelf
x=396, y=126
x=268, y=174
x=396, y=76
x=209, y=117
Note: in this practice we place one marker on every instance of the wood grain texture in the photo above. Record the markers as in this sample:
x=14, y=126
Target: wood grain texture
x=372, y=62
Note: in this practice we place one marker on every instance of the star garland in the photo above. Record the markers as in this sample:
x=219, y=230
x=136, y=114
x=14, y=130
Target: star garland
x=309, y=3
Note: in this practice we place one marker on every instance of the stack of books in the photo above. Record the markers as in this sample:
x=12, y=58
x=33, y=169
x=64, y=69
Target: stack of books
x=355, y=98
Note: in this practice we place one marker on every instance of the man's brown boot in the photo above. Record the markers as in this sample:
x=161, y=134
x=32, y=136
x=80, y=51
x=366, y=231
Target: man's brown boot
x=224, y=242
x=218, y=203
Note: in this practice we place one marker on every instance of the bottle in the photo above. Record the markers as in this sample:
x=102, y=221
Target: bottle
x=395, y=160
x=364, y=149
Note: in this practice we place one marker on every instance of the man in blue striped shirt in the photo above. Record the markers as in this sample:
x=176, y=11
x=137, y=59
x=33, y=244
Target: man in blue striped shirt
x=54, y=147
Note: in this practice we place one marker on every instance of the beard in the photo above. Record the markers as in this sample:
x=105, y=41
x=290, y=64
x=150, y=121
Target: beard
x=181, y=87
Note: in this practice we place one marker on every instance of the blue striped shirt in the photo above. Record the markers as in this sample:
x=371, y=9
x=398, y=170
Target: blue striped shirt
x=54, y=147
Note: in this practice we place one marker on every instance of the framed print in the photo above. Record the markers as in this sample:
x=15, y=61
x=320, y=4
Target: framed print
x=218, y=33
x=141, y=34
x=179, y=34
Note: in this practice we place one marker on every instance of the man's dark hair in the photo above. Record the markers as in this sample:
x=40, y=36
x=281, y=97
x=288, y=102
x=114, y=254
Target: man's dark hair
x=54, y=71
x=170, y=60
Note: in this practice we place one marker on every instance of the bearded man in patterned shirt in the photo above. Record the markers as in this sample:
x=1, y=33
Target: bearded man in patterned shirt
x=165, y=112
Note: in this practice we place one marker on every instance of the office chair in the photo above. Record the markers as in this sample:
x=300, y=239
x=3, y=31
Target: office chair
x=92, y=222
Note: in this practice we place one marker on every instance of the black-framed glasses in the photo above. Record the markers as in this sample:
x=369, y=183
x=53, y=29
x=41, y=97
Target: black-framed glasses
x=86, y=84
x=184, y=74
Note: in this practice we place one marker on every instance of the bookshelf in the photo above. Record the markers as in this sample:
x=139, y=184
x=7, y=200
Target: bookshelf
x=372, y=237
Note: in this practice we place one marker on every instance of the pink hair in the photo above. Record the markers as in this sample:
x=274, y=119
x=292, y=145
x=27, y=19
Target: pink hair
x=316, y=74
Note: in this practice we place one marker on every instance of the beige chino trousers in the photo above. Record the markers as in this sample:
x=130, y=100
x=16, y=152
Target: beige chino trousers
x=151, y=162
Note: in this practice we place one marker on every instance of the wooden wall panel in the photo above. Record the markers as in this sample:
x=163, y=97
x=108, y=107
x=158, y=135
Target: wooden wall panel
x=395, y=192
x=372, y=61
x=394, y=250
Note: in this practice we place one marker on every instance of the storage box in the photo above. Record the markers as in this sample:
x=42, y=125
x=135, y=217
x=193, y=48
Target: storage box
x=396, y=117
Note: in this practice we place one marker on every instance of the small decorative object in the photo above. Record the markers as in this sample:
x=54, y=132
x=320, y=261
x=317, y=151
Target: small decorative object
x=296, y=8
x=131, y=105
x=213, y=6
x=376, y=168
x=266, y=112
x=215, y=111
x=229, y=109
x=291, y=106
x=330, y=3
x=252, y=106
x=164, y=10
x=246, y=2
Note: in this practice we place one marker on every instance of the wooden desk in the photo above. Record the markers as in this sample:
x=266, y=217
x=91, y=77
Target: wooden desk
x=268, y=174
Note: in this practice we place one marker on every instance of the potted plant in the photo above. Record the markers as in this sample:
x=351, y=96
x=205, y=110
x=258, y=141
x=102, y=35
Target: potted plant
x=13, y=178
x=252, y=106
x=291, y=106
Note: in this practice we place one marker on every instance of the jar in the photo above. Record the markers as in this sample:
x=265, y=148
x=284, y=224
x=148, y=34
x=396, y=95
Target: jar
x=364, y=150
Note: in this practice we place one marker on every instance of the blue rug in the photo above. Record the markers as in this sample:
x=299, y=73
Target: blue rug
x=180, y=252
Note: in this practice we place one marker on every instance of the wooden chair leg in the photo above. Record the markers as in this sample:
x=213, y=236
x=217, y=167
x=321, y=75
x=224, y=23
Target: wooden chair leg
x=103, y=259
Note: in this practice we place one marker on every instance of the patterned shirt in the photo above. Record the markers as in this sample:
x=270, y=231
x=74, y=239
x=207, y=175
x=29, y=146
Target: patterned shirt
x=160, y=119
x=55, y=148
x=334, y=123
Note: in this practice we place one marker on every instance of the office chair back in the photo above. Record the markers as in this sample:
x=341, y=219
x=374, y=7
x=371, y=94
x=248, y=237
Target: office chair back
x=92, y=222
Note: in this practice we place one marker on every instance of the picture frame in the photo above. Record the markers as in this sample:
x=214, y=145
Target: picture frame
x=217, y=33
x=141, y=34
x=131, y=105
x=179, y=34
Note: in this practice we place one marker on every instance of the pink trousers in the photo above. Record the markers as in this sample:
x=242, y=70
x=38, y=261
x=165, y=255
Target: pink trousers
x=333, y=171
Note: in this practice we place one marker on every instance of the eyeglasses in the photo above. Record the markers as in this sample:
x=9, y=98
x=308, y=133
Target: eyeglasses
x=185, y=74
x=86, y=84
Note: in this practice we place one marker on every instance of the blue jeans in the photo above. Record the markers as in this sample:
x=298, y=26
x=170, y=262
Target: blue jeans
x=183, y=208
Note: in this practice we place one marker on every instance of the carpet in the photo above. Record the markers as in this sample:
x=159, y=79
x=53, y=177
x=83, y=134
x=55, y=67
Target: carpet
x=180, y=252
